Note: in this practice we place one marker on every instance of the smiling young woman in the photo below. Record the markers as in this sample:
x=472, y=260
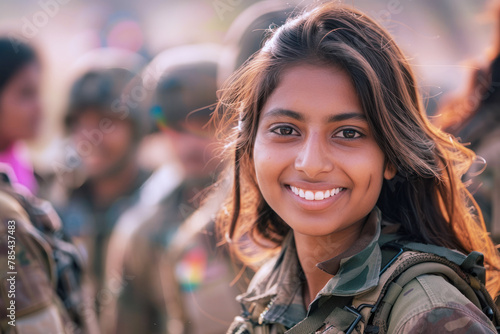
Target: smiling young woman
x=332, y=153
x=317, y=163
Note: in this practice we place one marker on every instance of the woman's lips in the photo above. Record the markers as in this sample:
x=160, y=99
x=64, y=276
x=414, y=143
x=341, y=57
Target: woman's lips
x=315, y=199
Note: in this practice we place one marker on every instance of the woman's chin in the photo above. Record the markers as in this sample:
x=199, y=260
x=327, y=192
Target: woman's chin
x=317, y=230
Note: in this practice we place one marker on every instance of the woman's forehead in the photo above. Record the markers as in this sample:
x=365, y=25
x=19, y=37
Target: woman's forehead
x=316, y=91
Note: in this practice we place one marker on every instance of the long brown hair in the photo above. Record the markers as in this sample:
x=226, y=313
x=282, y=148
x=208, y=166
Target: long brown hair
x=426, y=197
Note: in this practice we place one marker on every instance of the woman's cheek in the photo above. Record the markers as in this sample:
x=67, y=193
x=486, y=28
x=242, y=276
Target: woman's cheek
x=368, y=169
x=266, y=163
x=261, y=161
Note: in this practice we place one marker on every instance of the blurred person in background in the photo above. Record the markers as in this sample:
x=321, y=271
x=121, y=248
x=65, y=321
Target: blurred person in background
x=42, y=268
x=474, y=117
x=20, y=107
x=156, y=298
x=106, y=131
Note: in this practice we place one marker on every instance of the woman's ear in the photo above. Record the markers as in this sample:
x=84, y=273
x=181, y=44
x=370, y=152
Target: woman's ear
x=390, y=171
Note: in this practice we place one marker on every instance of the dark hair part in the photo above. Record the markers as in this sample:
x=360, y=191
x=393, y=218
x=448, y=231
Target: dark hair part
x=426, y=197
x=14, y=55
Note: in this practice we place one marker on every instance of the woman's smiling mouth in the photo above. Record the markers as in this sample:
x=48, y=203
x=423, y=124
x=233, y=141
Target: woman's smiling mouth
x=314, y=199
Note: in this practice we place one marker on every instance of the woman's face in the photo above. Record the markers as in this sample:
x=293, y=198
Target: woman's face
x=316, y=161
x=20, y=105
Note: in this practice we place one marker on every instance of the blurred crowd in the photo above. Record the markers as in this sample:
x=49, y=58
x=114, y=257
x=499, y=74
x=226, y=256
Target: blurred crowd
x=116, y=247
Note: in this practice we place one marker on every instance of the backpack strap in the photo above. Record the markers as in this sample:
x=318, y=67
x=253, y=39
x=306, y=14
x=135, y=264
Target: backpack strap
x=471, y=263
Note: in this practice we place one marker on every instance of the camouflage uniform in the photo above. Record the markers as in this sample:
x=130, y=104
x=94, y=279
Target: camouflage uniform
x=427, y=303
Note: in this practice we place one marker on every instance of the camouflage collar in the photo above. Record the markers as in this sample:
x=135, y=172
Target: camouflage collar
x=358, y=271
x=277, y=286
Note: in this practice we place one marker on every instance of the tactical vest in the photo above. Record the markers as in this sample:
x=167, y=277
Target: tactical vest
x=369, y=312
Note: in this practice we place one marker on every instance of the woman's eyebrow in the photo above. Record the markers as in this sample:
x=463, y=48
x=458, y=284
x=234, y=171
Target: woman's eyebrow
x=276, y=112
x=345, y=116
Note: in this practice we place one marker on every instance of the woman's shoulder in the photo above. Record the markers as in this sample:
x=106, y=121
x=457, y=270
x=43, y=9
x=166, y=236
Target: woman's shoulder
x=430, y=303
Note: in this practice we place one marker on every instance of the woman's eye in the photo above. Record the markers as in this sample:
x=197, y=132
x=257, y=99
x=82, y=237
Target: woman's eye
x=283, y=130
x=349, y=134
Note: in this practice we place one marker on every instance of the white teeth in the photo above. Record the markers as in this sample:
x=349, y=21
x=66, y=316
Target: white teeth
x=315, y=195
x=319, y=195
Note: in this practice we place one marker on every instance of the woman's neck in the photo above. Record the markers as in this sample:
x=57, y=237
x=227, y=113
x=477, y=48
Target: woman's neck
x=312, y=250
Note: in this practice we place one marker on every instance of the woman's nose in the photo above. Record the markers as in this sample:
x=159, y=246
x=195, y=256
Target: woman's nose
x=313, y=157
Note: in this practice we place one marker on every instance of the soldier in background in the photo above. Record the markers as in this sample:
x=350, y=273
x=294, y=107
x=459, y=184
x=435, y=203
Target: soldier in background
x=182, y=83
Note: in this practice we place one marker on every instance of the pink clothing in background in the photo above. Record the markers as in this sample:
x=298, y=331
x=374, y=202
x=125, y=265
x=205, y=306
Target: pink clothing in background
x=17, y=158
